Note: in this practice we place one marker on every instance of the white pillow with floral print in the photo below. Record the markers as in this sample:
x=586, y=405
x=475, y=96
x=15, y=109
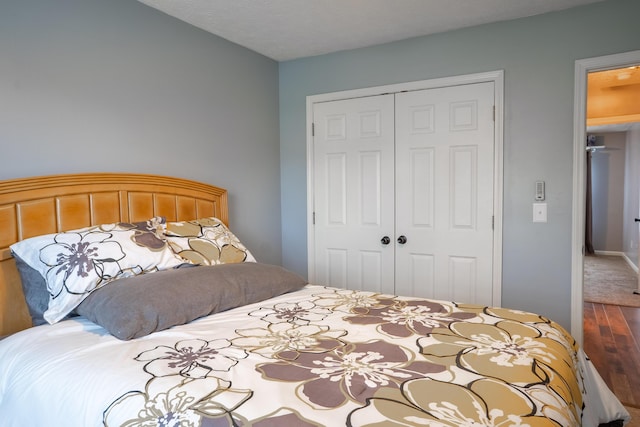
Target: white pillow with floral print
x=75, y=263
x=206, y=241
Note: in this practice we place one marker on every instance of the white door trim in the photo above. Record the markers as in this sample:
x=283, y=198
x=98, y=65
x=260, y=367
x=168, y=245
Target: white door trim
x=582, y=68
x=497, y=77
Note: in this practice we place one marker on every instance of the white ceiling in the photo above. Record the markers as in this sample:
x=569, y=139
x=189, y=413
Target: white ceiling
x=289, y=29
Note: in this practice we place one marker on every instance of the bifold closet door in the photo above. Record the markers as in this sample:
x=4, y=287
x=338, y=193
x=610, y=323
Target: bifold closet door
x=403, y=193
x=354, y=193
x=444, y=192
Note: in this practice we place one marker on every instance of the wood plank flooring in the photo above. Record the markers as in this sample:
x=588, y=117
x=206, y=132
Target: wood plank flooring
x=612, y=342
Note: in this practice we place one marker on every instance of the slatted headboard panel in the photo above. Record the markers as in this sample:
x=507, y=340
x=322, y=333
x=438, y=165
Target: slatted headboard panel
x=49, y=204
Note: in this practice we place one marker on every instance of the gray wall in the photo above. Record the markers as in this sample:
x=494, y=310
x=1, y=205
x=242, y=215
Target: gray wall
x=608, y=180
x=632, y=194
x=97, y=85
x=538, y=56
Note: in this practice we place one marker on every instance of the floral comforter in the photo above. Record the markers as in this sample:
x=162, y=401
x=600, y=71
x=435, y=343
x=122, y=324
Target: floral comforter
x=315, y=357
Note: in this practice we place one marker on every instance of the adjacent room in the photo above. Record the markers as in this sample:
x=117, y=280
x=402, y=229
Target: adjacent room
x=612, y=300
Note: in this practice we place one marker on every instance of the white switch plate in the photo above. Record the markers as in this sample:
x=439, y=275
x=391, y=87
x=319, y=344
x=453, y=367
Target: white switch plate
x=539, y=212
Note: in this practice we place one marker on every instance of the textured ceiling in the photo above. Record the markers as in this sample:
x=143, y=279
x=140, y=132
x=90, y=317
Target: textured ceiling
x=289, y=29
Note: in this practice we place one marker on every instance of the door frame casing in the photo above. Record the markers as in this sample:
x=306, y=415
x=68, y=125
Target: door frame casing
x=582, y=68
x=497, y=77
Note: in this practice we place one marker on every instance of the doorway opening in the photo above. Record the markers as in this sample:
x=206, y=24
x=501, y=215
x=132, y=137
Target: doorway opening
x=582, y=70
x=612, y=186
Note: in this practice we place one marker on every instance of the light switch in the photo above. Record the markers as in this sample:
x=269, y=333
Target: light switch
x=539, y=212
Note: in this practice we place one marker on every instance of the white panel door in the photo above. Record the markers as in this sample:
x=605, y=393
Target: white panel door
x=444, y=192
x=353, y=193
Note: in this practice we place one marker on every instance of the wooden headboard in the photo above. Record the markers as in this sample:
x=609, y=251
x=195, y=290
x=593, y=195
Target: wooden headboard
x=49, y=204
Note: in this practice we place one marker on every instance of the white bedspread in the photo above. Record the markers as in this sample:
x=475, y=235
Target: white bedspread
x=319, y=356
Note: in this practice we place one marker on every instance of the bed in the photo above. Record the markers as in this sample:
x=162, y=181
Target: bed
x=179, y=325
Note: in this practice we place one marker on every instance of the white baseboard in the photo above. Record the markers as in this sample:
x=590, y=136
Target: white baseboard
x=631, y=264
x=611, y=253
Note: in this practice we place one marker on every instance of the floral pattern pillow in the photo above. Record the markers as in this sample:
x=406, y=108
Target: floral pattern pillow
x=206, y=241
x=75, y=263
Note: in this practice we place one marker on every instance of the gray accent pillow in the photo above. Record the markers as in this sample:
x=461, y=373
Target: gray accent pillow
x=35, y=291
x=137, y=306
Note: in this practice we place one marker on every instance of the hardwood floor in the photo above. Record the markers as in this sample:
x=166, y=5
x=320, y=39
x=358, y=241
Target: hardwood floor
x=612, y=342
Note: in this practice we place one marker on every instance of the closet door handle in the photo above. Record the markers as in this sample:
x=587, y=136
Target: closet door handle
x=637, y=219
x=385, y=240
x=402, y=240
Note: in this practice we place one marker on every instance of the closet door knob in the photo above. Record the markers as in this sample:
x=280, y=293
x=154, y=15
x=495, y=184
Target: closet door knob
x=385, y=240
x=402, y=240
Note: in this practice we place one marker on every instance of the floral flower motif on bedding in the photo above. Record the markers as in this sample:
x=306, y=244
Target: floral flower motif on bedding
x=283, y=417
x=149, y=234
x=426, y=401
x=547, y=328
x=300, y=313
x=350, y=301
x=206, y=241
x=178, y=402
x=508, y=350
x=194, y=358
x=287, y=341
x=352, y=372
x=555, y=405
x=81, y=254
x=205, y=252
x=406, y=318
x=197, y=228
